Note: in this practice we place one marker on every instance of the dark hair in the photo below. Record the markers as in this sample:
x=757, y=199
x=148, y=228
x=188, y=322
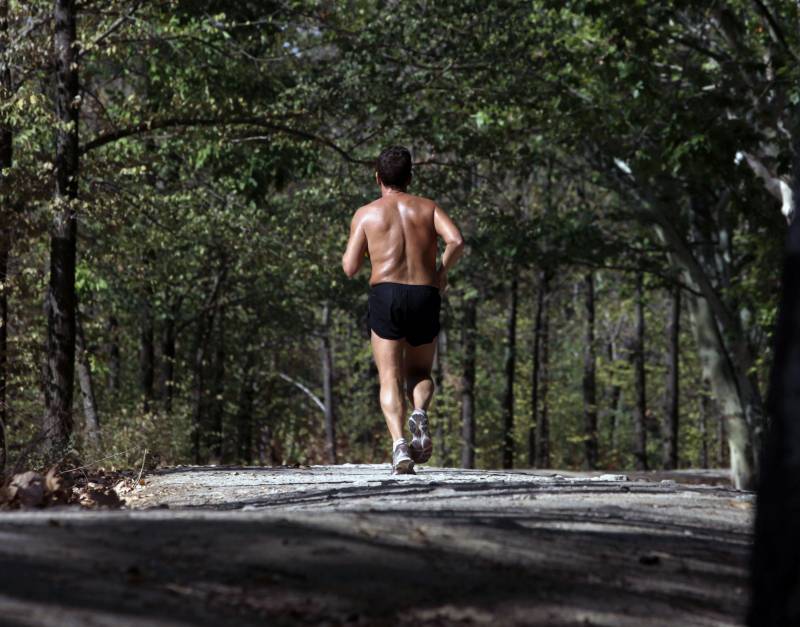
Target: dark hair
x=394, y=166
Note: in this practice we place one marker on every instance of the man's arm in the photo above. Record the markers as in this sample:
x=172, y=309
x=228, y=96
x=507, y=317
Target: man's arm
x=454, y=243
x=353, y=257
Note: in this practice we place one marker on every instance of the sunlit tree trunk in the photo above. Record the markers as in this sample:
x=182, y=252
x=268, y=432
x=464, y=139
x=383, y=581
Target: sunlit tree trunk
x=60, y=299
x=509, y=362
x=468, y=339
x=640, y=394
x=589, y=379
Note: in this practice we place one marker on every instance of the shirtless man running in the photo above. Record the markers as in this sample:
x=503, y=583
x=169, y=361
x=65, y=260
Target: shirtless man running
x=399, y=233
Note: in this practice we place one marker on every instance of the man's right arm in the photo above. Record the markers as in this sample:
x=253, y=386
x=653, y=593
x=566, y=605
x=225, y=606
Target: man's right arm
x=454, y=243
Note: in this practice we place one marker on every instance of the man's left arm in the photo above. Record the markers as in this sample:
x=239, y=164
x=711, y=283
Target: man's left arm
x=353, y=257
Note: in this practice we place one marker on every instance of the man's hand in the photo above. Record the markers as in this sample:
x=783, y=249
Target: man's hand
x=441, y=276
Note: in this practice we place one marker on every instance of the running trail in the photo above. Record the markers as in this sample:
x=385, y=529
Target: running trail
x=354, y=545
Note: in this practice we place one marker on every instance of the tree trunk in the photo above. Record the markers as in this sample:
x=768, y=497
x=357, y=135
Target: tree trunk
x=542, y=417
x=6, y=161
x=114, y=365
x=704, y=411
x=218, y=391
x=776, y=554
x=147, y=352
x=442, y=430
x=590, y=380
x=468, y=339
x=509, y=362
x=640, y=404
x=672, y=404
x=327, y=385
x=541, y=297
x=168, y=353
x=614, y=402
x=147, y=358
x=60, y=299
x=86, y=383
x=244, y=412
x=199, y=392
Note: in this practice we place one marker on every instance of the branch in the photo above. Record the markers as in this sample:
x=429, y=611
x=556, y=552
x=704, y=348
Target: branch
x=114, y=26
x=779, y=188
x=774, y=28
x=304, y=389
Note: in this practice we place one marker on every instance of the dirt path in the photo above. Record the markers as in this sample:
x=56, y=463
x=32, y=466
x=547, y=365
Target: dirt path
x=353, y=545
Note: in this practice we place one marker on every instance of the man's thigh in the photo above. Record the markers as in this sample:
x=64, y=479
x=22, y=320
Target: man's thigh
x=388, y=354
x=419, y=359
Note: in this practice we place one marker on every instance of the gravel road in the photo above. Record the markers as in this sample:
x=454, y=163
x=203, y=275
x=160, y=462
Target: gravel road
x=353, y=545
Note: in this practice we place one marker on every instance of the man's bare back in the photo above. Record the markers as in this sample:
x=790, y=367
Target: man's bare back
x=399, y=232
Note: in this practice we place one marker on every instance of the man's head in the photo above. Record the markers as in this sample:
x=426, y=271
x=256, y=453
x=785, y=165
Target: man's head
x=393, y=167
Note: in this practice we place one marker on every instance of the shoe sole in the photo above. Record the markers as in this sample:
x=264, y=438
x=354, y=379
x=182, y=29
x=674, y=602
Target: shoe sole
x=421, y=447
x=404, y=467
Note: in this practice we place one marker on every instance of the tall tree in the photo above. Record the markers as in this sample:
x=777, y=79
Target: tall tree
x=672, y=396
x=60, y=299
x=509, y=363
x=6, y=158
x=326, y=355
x=469, y=332
x=590, y=378
x=640, y=393
x=543, y=415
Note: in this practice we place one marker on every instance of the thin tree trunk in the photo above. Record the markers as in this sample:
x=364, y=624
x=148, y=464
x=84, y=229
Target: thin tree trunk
x=327, y=385
x=590, y=379
x=509, y=362
x=704, y=411
x=86, y=383
x=468, y=339
x=542, y=417
x=439, y=377
x=147, y=355
x=60, y=299
x=218, y=390
x=114, y=365
x=537, y=340
x=168, y=353
x=244, y=412
x=147, y=352
x=640, y=405
x=672, y=404
x=614, y=402
x=6, y=161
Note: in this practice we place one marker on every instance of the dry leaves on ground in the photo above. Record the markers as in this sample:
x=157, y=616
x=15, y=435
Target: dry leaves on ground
x=97, y=489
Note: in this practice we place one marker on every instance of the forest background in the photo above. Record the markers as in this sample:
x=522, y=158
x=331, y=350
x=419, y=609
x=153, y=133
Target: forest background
x=178, y=179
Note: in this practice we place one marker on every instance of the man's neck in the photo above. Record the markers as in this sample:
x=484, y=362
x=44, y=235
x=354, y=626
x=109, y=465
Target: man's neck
x=391, y=191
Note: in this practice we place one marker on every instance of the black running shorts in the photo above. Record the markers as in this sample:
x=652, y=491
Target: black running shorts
x=398, y=311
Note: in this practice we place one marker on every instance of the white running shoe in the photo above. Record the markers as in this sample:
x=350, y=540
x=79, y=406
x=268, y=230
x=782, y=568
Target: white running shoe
x=421, y=442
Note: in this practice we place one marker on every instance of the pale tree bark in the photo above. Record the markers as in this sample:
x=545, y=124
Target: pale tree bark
x=326, y=354
x=589, y=378
x=86, y=383
x=704, y=413
x=672, y=399
x=639, y=381
x=468, y=339
x=509, y=366
x=60, y=299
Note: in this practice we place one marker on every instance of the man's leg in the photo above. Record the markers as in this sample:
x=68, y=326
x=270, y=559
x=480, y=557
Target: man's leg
x=419, y=387
x=418, y=365
x=389, y=360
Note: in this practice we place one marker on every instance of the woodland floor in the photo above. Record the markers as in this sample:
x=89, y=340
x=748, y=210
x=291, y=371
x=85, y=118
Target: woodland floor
x=353, y=545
